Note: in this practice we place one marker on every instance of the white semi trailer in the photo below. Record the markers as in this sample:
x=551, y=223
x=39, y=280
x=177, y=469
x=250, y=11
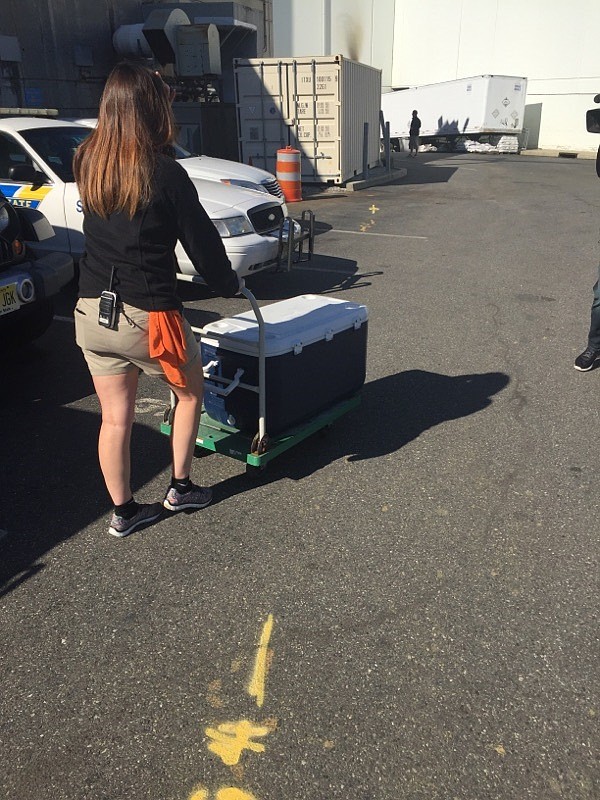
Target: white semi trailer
x=467, y=108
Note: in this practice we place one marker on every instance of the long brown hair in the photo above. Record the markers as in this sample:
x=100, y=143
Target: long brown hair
x=113, y=167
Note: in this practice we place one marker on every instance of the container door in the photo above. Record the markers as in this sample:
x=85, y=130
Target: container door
x=315, y=107
x=263, y=112
x=505, y=104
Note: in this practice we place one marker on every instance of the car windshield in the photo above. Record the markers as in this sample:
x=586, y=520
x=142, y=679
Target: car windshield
x=56, y=146
x=181, y=152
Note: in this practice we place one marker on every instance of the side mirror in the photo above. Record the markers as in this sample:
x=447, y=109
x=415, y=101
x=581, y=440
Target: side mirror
x=592, y=120
x=34, y=225
x=26, y=173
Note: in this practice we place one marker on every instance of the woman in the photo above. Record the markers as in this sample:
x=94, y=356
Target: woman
x=137, y=202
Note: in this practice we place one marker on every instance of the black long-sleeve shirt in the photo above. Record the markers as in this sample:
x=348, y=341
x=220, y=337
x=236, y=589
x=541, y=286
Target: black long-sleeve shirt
x=142, y=249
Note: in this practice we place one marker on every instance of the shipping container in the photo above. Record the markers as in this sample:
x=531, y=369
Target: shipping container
x=470, y=107
x=318, y=105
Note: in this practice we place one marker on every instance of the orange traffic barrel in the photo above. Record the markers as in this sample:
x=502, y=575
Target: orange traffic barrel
x=288, y=170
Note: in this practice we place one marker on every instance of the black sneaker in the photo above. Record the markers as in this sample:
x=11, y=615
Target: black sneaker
x=146, y=513
x=196, y=497
x=586, y=360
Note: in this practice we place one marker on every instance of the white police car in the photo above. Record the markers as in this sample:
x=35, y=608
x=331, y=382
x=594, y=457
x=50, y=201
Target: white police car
x=222, y=170
x=36, y=171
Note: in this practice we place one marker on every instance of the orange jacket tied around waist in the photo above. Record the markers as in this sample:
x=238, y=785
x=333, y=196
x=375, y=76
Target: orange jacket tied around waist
x=167, y=344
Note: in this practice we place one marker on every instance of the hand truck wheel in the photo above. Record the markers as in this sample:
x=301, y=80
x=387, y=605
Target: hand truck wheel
x=259, y=446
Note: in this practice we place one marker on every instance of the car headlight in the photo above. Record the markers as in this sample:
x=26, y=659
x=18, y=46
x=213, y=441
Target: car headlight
x=258, y=187
x=232, y=226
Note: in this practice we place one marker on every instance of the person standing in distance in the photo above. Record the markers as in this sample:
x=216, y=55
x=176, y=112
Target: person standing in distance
x=137, y=203
x=413, y=135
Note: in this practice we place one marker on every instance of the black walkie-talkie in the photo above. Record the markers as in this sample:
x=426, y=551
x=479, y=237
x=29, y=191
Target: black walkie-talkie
x=107, y=307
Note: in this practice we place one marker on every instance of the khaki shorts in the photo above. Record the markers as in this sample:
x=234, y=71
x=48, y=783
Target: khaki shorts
x=114, y=352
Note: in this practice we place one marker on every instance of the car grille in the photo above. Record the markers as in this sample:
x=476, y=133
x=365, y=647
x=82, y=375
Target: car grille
x=273, y=187
x=266, y=218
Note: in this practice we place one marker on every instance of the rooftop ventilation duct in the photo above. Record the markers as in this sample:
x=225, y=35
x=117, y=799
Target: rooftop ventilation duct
x=129, y=40
x=198, y=51
x=160, y=30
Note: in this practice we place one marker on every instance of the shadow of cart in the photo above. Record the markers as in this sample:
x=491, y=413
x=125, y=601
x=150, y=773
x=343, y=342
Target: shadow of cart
x=399, y=408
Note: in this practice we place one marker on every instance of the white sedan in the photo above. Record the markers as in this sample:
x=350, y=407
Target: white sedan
x=219, y=169
x=36, y=171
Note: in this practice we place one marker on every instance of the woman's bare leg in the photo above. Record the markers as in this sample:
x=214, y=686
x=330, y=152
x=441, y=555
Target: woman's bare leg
x=117, y=400
x=185, y=420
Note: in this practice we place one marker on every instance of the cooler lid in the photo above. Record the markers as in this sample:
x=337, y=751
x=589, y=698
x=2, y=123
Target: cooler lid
x=290, y=325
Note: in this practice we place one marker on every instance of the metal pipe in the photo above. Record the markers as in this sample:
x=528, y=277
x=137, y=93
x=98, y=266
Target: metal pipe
x=388, y=147
x=366, y=150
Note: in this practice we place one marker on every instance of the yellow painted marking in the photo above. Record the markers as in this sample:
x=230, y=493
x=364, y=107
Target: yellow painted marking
x=199, y=794
x=214, y=694
x=256, y=687
x=373, y=208
x=230, y=738
x=231, y=793
x=228, y=793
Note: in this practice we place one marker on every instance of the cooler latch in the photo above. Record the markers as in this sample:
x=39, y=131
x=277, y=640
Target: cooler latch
x=328, y=335
x=297, y=348
x=357, y=324
x=208, y=368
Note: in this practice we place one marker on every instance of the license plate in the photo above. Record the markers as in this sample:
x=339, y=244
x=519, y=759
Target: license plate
x=9, y=299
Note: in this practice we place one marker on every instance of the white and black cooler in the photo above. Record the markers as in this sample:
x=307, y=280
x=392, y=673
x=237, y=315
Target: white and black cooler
x=315, y=356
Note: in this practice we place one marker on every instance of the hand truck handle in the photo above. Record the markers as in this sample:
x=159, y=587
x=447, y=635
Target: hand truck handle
x=262, y=400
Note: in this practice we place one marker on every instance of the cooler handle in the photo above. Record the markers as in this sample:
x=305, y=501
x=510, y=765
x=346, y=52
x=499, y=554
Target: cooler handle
x=233, y=383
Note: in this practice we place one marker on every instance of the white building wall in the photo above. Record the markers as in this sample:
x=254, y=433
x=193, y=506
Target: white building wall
x=552, y=43
x=361, y=30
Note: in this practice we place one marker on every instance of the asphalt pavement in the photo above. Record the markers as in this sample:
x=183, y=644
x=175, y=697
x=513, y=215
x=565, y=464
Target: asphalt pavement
x=403, y=609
